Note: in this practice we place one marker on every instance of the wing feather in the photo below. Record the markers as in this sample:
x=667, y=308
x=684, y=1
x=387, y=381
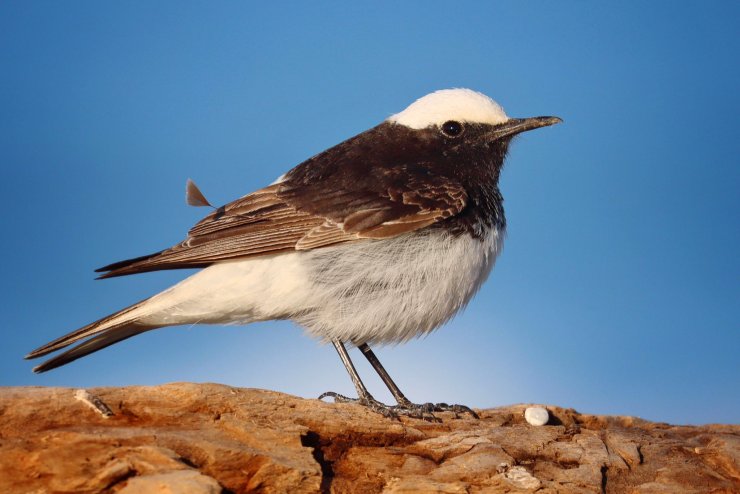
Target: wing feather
x=327, y=233
x=285, y=217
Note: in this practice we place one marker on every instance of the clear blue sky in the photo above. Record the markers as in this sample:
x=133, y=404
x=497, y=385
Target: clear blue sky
x=618, y=290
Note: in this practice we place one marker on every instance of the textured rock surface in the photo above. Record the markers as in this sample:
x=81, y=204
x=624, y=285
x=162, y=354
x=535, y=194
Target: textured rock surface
x=206, y=438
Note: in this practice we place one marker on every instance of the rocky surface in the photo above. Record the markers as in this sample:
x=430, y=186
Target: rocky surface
x=207, y=438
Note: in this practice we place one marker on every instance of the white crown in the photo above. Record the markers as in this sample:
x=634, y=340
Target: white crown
x=464, y=105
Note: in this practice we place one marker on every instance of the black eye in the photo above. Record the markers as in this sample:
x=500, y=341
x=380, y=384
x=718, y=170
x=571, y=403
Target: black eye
x=452, y=128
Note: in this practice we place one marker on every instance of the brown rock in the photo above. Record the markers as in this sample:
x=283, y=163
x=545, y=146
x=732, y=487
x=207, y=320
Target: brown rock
x=207, y=438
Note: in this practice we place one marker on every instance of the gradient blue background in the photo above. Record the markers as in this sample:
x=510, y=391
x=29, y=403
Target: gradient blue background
x=619, y=286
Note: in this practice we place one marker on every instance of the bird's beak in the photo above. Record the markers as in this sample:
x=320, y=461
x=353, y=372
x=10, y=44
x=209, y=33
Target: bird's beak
x=515, y=126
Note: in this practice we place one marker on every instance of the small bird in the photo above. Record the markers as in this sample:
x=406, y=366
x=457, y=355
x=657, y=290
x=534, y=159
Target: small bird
x=379, y=239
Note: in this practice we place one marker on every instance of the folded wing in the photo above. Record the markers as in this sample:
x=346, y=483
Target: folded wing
x=291, y=216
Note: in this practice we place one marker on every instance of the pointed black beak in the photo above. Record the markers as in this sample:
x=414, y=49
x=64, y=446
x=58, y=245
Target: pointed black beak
x=515, y=126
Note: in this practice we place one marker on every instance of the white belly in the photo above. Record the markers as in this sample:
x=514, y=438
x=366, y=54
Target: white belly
x=373, y=291
x=393, y=290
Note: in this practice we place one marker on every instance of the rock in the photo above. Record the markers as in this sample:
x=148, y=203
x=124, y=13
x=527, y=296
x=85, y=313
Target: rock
x=177, y=482
x=207, y=438
x=520, y=478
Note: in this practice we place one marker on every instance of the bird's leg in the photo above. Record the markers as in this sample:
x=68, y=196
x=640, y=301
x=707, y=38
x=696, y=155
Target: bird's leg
x=405, y=406
x=364, y=396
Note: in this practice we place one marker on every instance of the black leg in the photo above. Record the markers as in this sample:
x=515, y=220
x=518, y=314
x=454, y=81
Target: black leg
x=395, y=391
x=405, y=406
x=364, y=396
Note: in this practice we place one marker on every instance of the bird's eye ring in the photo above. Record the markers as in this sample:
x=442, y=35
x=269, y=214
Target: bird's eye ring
x=452, y=128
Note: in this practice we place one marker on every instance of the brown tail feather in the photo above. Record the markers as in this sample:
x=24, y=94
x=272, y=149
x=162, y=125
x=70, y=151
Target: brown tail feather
x=119, y=267
x=144, y=267
x=144, y=264
x=107, y=338
x=84, y=332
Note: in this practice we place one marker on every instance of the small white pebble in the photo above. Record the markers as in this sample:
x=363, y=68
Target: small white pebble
x=536, y=415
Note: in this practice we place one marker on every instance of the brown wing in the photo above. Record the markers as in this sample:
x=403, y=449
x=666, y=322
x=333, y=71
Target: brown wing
x=266, y=222
x=258, y=223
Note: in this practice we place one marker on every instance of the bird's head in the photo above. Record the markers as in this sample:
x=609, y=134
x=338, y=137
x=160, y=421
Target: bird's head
x=465, y=121
x=457, y=134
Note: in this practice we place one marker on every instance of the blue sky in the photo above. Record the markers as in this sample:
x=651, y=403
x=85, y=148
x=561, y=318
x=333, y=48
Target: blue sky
x=618, y=290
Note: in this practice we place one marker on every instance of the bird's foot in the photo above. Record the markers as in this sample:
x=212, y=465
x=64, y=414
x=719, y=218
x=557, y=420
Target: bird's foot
x=425, y=410
x=368, y=401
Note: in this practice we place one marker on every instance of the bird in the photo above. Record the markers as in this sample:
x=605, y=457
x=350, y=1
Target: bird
x=379, y=239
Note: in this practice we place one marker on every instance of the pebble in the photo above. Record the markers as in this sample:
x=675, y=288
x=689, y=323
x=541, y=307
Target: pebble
x=536, y=415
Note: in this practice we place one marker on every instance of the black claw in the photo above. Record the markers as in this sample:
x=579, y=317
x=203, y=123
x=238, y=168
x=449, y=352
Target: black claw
x=337, y=397
x=456, y=409
x=430, y=408
x=424, y=411
x=417, y=412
